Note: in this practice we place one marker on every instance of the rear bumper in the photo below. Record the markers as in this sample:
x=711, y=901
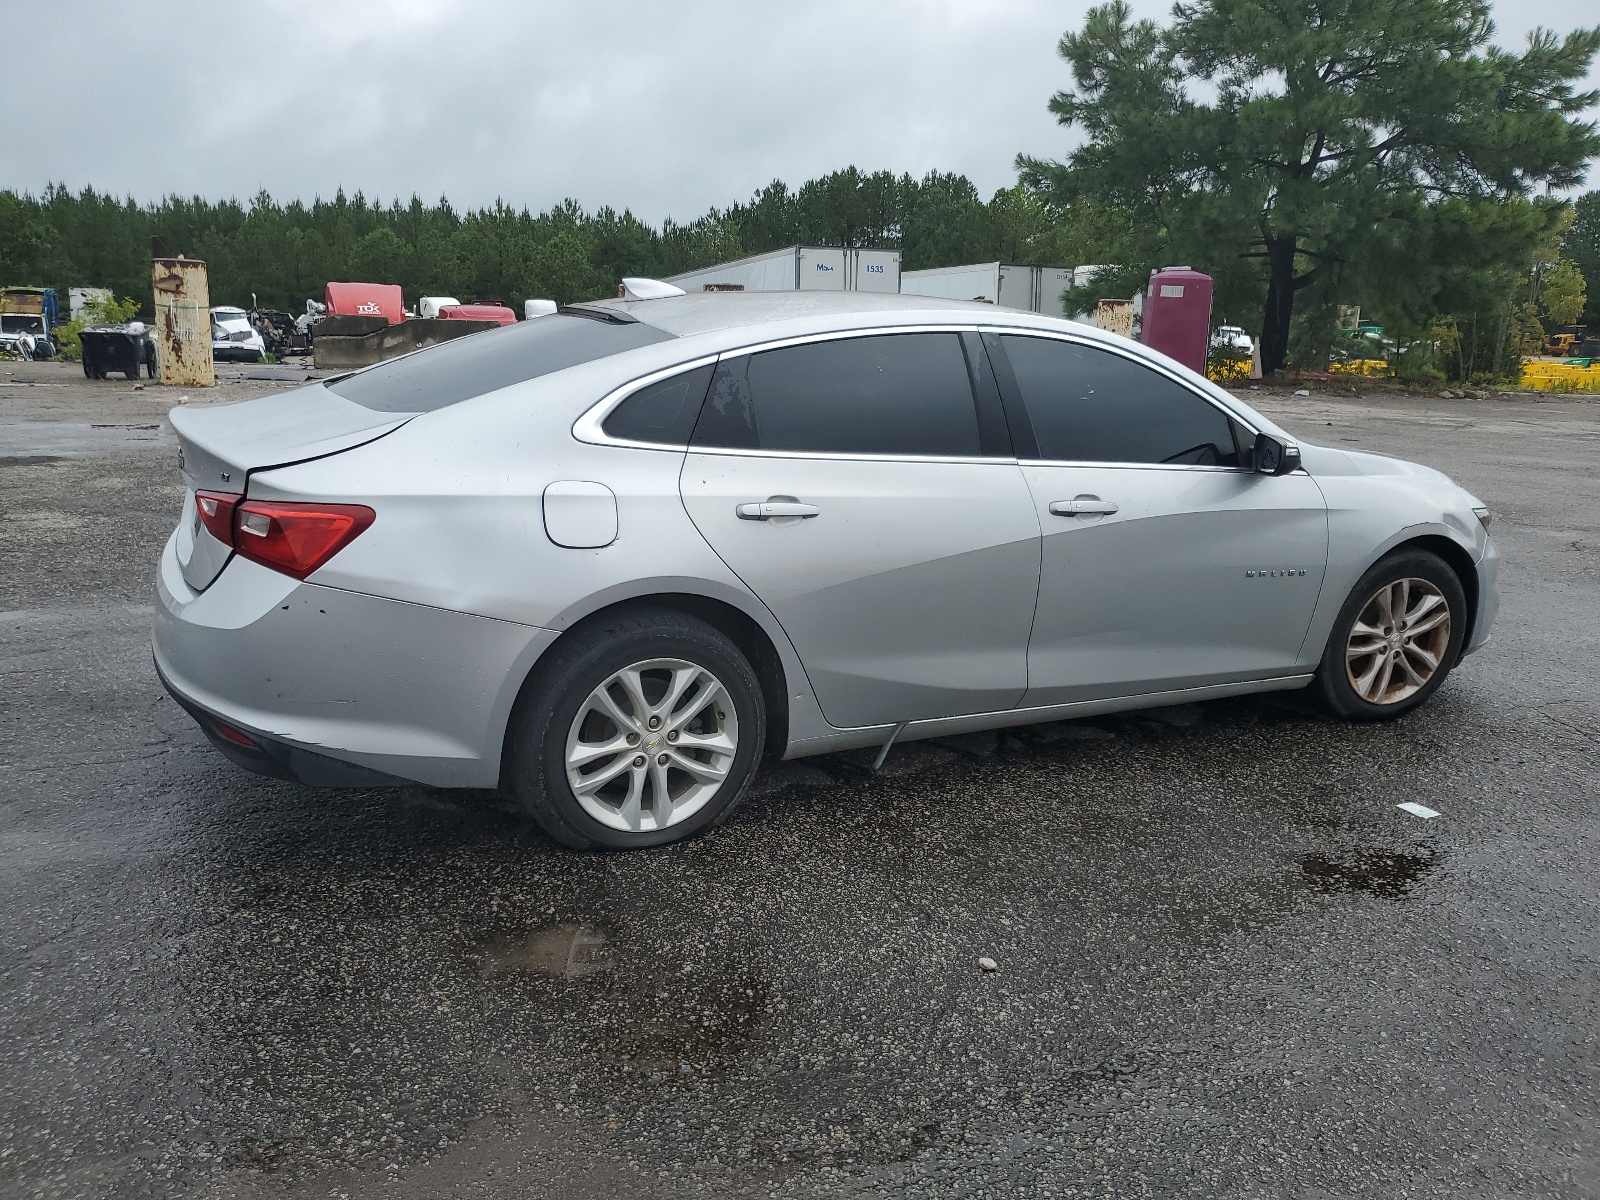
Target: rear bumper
x=255, y=751
x=337, y=688
x=236, y=352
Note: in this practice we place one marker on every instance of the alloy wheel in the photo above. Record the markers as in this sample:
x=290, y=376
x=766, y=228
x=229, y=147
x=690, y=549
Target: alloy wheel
x=1398, y=641
x=651, y=745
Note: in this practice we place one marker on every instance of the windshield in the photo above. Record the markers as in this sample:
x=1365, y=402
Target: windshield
x=231, y=320
x=21, y=323
x=488, y=361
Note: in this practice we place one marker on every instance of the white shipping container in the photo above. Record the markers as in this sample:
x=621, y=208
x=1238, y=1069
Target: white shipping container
x=1010, y=285
x=79, y=298
x=821, y=269
x=802, y=268
x=975, y=281
x=874, y=271
x=1052, y=282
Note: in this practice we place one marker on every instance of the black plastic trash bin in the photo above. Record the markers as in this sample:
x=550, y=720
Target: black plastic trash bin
x=123, y=348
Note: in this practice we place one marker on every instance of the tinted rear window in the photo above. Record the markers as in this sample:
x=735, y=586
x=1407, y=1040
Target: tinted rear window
x=903, y=394
x=485, y=362
x=664, y=412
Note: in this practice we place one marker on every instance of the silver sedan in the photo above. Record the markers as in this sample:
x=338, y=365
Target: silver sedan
x=610, y=559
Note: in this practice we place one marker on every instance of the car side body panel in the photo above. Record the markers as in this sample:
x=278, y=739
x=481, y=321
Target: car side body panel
x=406, y=651
x=911, y=591
x=1202, y=575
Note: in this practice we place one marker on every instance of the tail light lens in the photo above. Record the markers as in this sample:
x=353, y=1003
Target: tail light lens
x=290, y=537
x=216, y=514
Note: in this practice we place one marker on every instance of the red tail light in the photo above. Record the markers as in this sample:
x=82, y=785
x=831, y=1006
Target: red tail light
x=216, y=514
x=297, y=538
x=290, y=537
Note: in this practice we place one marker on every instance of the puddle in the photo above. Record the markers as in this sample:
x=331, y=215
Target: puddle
x=560, y=951
x=663, y=1026
x=1378, y=874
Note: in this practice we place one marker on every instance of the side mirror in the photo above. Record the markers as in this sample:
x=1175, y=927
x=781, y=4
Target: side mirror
x=1273, y=457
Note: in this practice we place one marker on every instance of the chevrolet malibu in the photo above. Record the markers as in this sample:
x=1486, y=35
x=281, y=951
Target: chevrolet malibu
x=610, y=559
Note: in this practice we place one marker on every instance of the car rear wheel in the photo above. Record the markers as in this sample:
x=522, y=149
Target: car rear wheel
x=639, y=731
x=1395, y=640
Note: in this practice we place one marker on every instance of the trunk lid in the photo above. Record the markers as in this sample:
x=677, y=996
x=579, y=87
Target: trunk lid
x=220, y=446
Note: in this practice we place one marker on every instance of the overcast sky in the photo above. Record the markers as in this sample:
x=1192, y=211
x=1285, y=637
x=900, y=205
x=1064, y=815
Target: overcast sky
x=665, y=108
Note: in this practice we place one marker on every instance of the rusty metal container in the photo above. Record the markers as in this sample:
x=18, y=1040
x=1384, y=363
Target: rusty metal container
x=183, y=322
x=1115, y=316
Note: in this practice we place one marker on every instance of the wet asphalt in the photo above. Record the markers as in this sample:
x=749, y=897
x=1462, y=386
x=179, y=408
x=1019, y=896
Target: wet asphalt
x=1227, y=964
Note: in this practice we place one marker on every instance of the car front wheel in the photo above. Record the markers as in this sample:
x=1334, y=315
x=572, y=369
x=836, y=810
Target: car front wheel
x=644, y=729
x=1395, y=640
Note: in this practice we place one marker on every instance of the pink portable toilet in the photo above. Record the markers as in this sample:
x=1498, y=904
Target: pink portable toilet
x=1177, y=315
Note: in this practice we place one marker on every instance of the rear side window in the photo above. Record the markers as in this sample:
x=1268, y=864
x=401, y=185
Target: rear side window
x=485, y=362
x=1090, y=405
x=903, y=394
x=663, y=412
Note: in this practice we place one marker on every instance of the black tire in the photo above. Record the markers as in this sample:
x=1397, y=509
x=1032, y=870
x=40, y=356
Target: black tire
x=131, y=373
x=1333, y=687
x=87, y=373
x=537, y=736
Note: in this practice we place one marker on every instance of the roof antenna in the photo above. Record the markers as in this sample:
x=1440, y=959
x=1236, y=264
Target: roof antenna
x=634, y=288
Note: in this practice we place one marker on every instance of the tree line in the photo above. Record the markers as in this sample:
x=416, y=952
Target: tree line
x=1309, y=156
x=283, y=253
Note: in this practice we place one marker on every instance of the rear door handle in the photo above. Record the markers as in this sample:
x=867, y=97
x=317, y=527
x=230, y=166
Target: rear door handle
x=1082, y=508
x=768, y=509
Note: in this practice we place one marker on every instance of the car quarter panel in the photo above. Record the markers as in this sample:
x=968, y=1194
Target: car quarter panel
x=461, y=523
x=409, y=690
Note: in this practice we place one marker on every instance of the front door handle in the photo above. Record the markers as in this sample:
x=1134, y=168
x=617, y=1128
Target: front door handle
x=1083, y=506
x=768, y=509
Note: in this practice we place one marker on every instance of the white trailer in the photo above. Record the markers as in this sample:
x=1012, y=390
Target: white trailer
x=1009, y=285
x=801, y=268
x=79, y=299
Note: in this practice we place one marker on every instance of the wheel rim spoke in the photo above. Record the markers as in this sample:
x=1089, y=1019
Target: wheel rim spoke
x=660, y=795
x=682, y=681
x=697, y=704
x=655, y=777
x=596, y=780
x=704, y=772
x=717, y=743
x=631, y=810
x=632, y=684
x=586, y=752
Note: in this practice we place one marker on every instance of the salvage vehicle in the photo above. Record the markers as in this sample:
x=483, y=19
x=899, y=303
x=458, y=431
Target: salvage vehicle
x=1234, y=338
x=497, y=313
x=233, y=337
x=279, y=332
x=28, y=320
x=611, y=558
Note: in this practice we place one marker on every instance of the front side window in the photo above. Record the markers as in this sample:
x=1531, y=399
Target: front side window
x=902, y=394
x=1090, y=405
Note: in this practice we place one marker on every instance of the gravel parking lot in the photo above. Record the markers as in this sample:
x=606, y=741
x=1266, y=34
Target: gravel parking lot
x=1227, y=963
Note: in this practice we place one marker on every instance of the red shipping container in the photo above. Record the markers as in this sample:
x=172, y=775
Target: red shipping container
x=1177, y=315
x=366, y=300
